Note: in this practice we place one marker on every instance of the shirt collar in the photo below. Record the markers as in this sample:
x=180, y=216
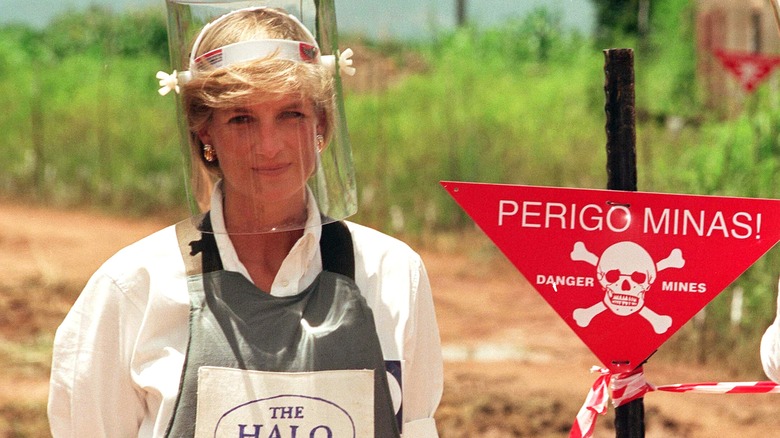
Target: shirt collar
x=300, y=266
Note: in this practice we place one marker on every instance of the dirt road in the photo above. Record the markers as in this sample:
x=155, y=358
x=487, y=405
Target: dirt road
x=513, y=368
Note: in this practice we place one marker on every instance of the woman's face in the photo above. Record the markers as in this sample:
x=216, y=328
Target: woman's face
x=266, y=150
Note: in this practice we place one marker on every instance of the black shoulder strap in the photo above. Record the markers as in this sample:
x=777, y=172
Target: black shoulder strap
x=338, y=254
x=197, y=245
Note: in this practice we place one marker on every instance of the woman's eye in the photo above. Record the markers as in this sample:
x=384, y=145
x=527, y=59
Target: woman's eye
x=292, y=115
x=239, y=119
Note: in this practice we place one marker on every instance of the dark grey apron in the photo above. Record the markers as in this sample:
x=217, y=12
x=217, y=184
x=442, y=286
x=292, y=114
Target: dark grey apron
x=234, y=324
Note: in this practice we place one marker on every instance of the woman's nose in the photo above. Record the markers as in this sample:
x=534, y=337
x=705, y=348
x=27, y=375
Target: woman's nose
x=267, y=142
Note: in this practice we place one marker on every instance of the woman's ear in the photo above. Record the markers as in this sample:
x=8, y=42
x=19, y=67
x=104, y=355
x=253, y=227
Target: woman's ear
x=204, y=136
x=322, y=130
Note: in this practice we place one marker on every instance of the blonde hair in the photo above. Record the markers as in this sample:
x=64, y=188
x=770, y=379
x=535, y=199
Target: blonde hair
x=238, y=84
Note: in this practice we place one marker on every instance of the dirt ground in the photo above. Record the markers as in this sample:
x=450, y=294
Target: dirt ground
x=512, y=367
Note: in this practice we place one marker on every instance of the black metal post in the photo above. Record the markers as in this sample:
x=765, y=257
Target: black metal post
x=621, y=125
x=621, y=175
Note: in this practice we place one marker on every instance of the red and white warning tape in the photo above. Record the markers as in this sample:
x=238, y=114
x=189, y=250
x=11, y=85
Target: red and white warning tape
x=630, y=386
x=595, y=404
x=724, y=387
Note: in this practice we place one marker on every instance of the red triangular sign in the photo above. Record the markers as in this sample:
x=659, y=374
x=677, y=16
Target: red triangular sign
x=625, y=270
x=749, y=68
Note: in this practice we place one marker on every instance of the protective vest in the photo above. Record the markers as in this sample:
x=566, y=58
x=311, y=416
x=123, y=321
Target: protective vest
x=234, y=324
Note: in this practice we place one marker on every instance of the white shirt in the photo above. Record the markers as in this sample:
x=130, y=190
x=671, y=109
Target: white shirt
x=119, y=353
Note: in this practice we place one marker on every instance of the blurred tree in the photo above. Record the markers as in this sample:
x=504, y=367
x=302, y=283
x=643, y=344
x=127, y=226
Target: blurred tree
x=21, y=45
x=143, y=31
x=460, y=8
x=620, y=17
x=100, y=32
x=544, y=29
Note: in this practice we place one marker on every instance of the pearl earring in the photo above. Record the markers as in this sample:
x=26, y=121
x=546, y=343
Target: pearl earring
x=320, y=142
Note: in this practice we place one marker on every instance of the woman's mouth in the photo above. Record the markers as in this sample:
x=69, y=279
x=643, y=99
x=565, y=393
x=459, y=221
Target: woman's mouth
x=271, y=169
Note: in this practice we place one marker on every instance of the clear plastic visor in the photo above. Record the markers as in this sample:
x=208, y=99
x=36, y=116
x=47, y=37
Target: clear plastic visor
x=272, y=160
x=267, y=153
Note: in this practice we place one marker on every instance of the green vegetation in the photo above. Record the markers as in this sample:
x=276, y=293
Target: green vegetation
x=83, y=122
x=521, y=103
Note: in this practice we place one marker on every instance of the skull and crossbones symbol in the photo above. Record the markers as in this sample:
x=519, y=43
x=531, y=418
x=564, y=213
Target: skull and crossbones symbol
x=625, y=271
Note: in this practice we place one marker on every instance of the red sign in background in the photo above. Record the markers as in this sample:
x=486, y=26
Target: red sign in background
x=750, y=69
x=625, y=270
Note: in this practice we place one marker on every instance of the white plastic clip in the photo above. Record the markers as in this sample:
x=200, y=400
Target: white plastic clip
x=345, y=62
x=168, y=82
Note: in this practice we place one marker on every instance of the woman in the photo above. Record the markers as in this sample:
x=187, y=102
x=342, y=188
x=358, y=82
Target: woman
x=241, y=286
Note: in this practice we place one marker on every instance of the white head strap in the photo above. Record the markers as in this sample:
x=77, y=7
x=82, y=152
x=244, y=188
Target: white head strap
x=244, y=51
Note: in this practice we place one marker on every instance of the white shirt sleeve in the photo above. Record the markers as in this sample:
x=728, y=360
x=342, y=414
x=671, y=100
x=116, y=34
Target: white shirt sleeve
x=91, y=393
x=395, y=283
x=423, y=371
x=770, y=348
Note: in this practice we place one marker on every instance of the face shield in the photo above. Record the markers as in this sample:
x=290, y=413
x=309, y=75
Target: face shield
x=261, y=113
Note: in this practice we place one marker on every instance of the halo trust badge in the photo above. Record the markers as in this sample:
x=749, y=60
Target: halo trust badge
x=256, y=404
